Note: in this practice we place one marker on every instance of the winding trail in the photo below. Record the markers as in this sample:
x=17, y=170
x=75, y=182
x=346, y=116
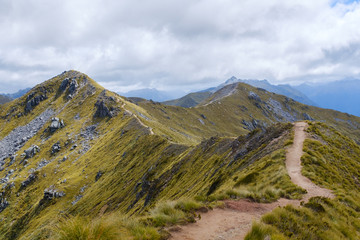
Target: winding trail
x=235, y=220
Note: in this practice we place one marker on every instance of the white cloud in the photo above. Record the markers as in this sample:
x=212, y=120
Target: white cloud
x=178, y=44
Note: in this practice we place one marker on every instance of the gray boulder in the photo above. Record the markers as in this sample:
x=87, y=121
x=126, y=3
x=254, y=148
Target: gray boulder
x=51, y=193
x=31, y=151
x=55, y=148
x=56, y=124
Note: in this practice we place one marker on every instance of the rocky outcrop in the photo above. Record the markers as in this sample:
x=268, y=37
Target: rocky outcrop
x=307, y=117
x=56, y=124
x=32, y=177
x=254, y=96
x=31, y=151
x=34, y=99
x=51, y=193
x=102, y=110
x=70, y=84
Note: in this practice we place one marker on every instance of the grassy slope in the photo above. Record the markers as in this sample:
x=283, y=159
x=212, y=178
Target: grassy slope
x=140, y=169
x=189, y=100
x=332, y=160
x=224, y=117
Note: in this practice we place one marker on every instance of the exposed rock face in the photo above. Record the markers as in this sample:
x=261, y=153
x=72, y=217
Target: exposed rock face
x=35, y=98
x=102, y=110
x=254, y=96
x=280, y=114
x=64, y=84
x=307, y=117
x=56, y=124
x=31, y=151
x=16, y=139
x=73, y=87
x=29, y=180
x=3, y=204
x=51, y=193
x=253, y=124
x=55, y=148
x=72, y=84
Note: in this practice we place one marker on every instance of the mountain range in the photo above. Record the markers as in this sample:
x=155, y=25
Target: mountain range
x=76, y=158
x=193, y=99
x=7, y=97
x=340, y=95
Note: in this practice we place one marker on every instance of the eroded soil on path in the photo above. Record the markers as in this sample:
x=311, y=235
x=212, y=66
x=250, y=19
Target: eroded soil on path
x=235, y=220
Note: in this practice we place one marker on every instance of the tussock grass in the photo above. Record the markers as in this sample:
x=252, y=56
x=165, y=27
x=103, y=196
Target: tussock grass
x=111, y=227
x=332, y=161
x=81, y=228
x=171, y=213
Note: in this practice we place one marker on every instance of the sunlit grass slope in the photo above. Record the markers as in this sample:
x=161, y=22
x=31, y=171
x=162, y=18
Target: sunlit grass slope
x=331, y=160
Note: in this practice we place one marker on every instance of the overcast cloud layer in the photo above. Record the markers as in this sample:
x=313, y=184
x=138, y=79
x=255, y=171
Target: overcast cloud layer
x=185, y=44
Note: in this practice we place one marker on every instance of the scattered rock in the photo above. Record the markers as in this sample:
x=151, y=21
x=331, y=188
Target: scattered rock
x=42, y=164
x=98, y=175
x=77, y=198
x=32, y=177
x=56, y=124
x=3, y=204
x=31, y=151
x=201, y=121
x=55, y=148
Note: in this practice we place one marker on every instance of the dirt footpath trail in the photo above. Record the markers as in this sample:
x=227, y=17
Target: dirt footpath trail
x=235, y=220
x=293, y=166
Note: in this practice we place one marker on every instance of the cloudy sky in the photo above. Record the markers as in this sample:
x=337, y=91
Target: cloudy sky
x=178, y=44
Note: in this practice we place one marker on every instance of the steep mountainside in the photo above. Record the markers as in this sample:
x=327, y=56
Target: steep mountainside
x=4, y=99
x=69, y=147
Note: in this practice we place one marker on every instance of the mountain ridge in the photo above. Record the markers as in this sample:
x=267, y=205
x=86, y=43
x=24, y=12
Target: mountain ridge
x=93, y=152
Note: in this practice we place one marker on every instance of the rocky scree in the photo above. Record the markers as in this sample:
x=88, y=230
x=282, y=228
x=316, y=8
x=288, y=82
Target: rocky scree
x=17, y=138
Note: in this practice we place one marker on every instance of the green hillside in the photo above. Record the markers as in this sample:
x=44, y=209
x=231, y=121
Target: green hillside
x=73, y=150
x=189, y=100
x=332, y=160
